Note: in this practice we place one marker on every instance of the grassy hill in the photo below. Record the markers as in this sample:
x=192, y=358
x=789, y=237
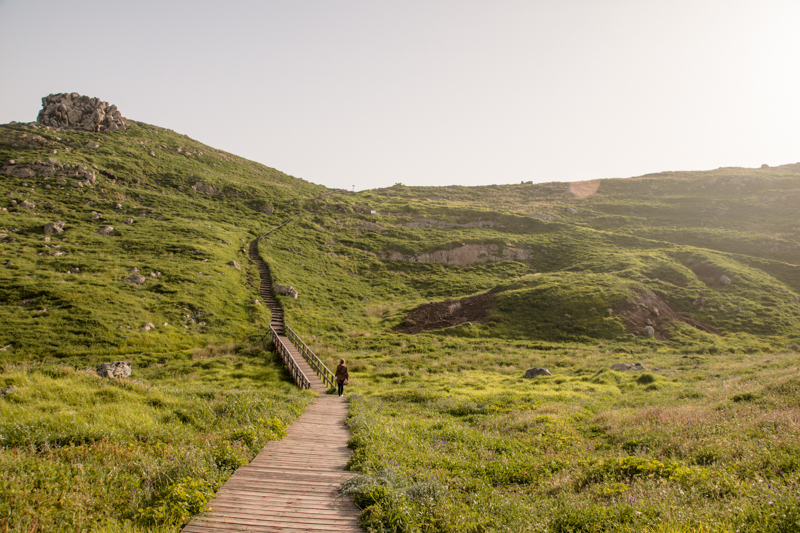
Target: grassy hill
x=439, y=298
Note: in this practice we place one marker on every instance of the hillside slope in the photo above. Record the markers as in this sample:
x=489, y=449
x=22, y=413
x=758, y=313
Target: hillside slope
x=180, y=212
x=699, y=257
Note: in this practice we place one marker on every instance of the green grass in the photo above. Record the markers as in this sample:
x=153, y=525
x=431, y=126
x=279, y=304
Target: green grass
x=82, y=452
x=707, y=445
x=447, y=434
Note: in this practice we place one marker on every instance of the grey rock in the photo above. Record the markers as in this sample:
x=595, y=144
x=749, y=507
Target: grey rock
x=26, y=204
x=91, y=144
x=128, y=221
x=535, y=372
x=148, y=326
x=108, y=230
x=206, y=188
x=649, y=331
x=234, y=264
x=54, y=228
x=77, y=184
x=76, y=112
x=135, y=279
x=287, y=290
x=725, y=280
x=117, y=369
x=5, y=391
x=625, y=367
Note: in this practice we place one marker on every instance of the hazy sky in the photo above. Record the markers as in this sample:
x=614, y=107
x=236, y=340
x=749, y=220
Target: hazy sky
x=368, y=93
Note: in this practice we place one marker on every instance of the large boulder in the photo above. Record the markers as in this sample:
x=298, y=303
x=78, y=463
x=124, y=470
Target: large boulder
x=287, y=290
x=536, y=372
x=117, y=369
x=76, y=112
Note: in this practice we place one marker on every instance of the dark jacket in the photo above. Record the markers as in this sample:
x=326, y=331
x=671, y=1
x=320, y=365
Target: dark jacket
x=342, y=373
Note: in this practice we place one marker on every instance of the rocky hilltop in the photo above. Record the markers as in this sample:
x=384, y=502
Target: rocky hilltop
x=73, y=111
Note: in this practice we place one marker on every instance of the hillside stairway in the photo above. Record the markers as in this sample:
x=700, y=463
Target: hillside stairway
x=291, y=485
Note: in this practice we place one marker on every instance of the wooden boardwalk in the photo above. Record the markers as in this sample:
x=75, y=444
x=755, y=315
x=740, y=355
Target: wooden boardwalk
x=291, y=486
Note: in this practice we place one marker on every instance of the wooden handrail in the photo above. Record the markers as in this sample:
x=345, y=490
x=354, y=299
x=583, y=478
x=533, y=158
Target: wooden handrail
x=316, y=363
x=298, y=376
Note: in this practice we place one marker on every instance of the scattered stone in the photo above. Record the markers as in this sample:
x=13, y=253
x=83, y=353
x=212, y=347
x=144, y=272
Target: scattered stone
x=287, y=290
x=135, y=279
x=118, y=207
x=206, y=188
x=91, y=144
x=725, y=280
x=7, y=346
x=76, y=112
x=5, y=391
x=76, y=184
x=96, y=215
x=54, y=228
x=236, y=265
x=117, y=369
x=27, y=204
x=535, y=372
x=256, y=302
x=155, y=274
x=108, y=230
x=699, y=302
x=148, y=326
x=649, y=331
x=128, y=221
x=624, y=367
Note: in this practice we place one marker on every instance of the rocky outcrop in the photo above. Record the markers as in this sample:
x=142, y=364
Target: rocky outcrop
x=465, y=255
x=117, y=369
x=75, y=112
x=50, y=168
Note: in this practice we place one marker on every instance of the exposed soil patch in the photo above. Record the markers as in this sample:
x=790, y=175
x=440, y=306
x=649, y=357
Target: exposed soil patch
x=438, y=315
x=654, y=311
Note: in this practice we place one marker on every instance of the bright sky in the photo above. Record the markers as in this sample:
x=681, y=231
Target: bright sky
x=368, y=93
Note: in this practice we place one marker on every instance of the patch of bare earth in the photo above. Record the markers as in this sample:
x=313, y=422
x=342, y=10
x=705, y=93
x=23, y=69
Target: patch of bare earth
x=654, y=311
x=439, y=315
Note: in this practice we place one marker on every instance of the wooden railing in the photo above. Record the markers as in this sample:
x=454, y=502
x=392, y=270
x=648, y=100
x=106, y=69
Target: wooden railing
x=298, y=377
x=316, y=363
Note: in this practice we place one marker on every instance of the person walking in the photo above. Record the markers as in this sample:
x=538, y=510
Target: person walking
x=342, y=376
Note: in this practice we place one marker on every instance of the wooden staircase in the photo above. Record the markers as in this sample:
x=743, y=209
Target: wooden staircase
x=292, y=484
